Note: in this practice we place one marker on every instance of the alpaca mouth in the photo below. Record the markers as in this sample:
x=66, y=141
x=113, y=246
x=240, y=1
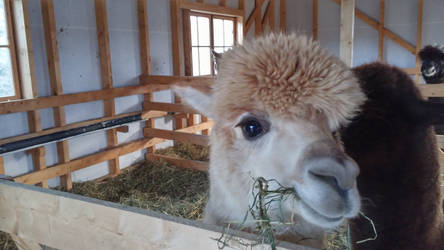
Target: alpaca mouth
x=316, y=214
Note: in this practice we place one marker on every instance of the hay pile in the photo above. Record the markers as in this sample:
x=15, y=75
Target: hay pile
x=159, y=186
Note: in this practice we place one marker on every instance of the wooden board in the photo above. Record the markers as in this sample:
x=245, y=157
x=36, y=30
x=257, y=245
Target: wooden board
x=347, y=31
x=197, y=165
x=211, y=9
x=171, y=107
x=67, y=221
x=67, y=99
x=55, y=77
x=177, y=136
x=106, y=76
x=432, y=90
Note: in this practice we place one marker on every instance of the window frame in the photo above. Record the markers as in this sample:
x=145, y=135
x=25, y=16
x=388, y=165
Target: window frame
x=187, y=36
x=12, y=52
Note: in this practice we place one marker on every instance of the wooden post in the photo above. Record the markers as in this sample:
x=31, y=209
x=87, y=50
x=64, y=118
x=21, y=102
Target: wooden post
x=177, y=50
x=347, y=31
x=271, y=15
x=27, y=73
x=381, y=30
x=2, y=166
x=223, y=3
x=283, y=15
x=419, y=37
x=52, y=53
x=258, y=29
x=241, y=5
x=106, y=75
x=144, y=42
x=315, y=19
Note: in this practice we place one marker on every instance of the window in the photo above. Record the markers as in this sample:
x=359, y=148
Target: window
x=9, y=86
x=207, y=32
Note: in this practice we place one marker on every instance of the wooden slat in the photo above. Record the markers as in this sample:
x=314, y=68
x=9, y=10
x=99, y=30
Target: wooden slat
x=412, y=71
x=197, y=165
x=2, y=166
x=86, y=161
x=55, y=78
x=315, y=19
x=123, y=129
x=432, y=90
x=12, y=51
x=269, y=16
x=195, y=81
x=68, y=99
x=145, y=58
x=419, y=37
x=223, y=3
x=347, y=31
x=211, y=9
x=177, y=136
x=172, y=107
x=381, y=29
x=258, y=29
x=106, y=76
x=241, y=5
x=67, y=221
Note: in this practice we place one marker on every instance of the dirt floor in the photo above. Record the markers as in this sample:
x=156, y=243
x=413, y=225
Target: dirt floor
x=159, y=186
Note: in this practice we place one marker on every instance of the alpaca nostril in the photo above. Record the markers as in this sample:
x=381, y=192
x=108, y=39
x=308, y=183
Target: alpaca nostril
x=332, y=182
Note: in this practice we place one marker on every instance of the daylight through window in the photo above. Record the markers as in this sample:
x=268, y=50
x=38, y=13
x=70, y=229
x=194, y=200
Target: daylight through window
x=209, y=32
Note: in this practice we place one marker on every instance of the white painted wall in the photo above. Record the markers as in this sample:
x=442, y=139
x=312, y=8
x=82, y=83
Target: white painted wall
x=80, y=68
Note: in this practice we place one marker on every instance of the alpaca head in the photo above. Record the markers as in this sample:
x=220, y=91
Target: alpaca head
x=277, y=102
x=432, y=67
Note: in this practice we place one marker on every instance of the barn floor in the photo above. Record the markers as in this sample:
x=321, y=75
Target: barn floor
x=159, y=186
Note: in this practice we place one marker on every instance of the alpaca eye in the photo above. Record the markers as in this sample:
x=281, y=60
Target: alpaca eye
x=252, y=128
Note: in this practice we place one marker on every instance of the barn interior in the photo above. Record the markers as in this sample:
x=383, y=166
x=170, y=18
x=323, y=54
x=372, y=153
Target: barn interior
x=85, y=92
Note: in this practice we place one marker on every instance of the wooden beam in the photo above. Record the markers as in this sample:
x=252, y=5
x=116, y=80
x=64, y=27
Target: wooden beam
x=419, y=37
x=106, y=76
x=172, y=107
x=145, y=58
x=63, y=220
x=55, y=78
x=347, y=31
x=381, y=30
x=197, y=165
x=373, y=23
x=241, y=5
x=194, y=81
x=177, y=136
x=223, y=3
x=258, y=29
x=283, y=15
x=432, y=90
x=2, y=166
x=315, y=19
x=210, y=9
x=268, y=16
x=68, y=99
x=412, y=71
x=123, y=129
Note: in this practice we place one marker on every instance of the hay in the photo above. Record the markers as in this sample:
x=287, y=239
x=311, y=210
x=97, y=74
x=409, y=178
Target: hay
x=6, y=242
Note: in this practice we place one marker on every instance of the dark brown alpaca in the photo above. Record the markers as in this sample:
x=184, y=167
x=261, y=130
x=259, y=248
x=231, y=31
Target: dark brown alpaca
x=393, y=142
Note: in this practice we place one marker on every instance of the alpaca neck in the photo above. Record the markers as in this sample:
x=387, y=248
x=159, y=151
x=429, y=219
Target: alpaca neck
x=403, y=187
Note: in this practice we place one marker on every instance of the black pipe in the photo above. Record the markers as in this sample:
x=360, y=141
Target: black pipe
x=63, y=135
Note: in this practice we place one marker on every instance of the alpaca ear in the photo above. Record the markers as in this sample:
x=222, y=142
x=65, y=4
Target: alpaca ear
x=198, y=100
x=216, y=59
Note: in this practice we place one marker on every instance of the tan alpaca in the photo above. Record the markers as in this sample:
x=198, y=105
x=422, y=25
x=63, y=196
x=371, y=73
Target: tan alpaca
x=276, y=102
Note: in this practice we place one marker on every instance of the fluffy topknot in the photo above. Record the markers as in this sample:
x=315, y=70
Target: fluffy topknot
x=287, y=75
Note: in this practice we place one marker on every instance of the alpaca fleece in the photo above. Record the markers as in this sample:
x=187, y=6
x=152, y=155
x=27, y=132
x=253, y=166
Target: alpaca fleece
x=286, y=75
